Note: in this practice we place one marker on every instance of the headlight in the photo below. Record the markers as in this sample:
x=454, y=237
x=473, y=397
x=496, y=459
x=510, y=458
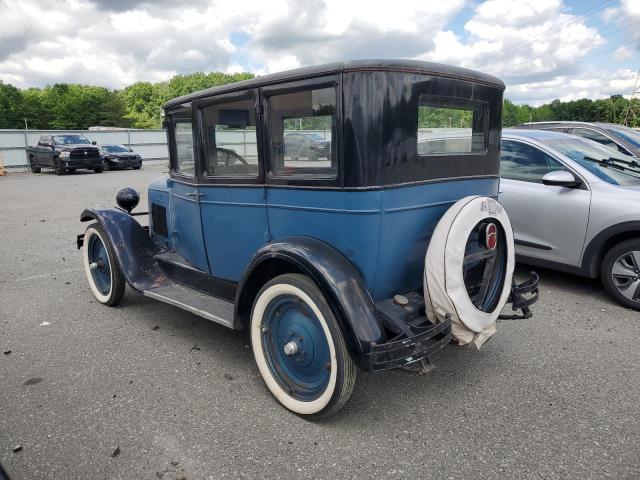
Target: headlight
x=65, y=154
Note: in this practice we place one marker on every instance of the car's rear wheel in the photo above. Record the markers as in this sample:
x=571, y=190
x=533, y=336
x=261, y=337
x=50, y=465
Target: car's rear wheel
x=299, y=348
x=101, y=266
x=620, y=273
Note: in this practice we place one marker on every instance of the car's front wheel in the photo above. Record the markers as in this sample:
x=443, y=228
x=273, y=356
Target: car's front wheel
x=299, y=348
x=58, y=167
x=101, y=266
x=98, y=169
x=620, y=273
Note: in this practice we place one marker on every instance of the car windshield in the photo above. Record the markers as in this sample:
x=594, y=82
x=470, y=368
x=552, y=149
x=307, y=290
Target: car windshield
x=70, y=140
x=628, y=134
x=115, y=148
x=590, y=154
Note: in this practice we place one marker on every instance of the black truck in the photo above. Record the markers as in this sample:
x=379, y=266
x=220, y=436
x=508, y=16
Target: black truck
x=64, y=153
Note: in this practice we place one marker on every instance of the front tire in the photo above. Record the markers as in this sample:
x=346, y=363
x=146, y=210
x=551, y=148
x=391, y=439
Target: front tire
x=299, y=347
x=98, y=169
x=101, y=266
x=620, y=273
x=58, y=168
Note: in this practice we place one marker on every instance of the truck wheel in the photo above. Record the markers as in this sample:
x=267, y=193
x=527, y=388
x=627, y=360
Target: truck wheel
x=32, y=164
x=101, y=266
x=58, y=168
x=299, y=348
x=98, y=169
x=620, y=273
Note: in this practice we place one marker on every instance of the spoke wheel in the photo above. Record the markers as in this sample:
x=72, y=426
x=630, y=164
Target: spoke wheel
x=103, y=273
x=621, y=273
x=299, y=348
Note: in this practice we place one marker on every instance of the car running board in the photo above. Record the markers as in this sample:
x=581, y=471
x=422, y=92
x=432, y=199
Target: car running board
x=198, y=303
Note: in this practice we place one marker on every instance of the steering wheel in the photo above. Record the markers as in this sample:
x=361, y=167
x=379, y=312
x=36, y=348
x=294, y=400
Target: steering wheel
x=232, y=157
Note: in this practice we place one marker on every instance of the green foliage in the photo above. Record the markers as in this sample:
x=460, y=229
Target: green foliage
x=435, y=117
x=72, y=106
x=612, y=110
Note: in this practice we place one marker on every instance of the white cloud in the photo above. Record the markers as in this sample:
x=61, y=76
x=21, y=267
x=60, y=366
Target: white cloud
x=536, y=46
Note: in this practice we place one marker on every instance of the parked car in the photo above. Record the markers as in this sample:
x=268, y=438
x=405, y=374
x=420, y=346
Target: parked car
x=64, y=153
x=376, y=259
x=618, y=137
x=311, y=146
x=574, y=207
x=118, y=157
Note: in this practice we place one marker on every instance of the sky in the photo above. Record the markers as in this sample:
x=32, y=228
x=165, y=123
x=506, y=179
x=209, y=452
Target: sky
x=542, y=49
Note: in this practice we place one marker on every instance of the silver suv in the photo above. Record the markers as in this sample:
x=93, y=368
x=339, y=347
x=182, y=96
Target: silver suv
x=575, y=207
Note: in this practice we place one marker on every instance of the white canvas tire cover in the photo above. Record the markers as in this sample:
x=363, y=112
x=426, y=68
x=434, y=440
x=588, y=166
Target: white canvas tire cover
x=444, y=287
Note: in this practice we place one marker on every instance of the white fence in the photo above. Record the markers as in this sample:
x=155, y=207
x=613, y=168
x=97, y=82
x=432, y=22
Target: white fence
x=150, y=144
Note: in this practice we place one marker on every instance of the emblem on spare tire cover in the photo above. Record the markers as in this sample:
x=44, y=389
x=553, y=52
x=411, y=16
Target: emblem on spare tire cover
x=491, y=236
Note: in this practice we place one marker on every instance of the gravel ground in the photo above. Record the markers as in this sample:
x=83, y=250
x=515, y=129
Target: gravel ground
x=181, y=398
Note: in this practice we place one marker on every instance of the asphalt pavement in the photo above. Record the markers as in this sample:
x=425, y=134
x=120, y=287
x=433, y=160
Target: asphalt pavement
x=146, y=390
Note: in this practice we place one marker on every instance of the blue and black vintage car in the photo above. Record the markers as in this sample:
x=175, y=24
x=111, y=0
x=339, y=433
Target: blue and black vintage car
x=371, y=249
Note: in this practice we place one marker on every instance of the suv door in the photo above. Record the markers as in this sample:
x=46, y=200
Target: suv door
x=185, y=229
x=549, y=222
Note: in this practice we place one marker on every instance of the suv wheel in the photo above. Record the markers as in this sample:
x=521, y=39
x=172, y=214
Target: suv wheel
x=58, y=168
x=299, y=347
x=620, y=273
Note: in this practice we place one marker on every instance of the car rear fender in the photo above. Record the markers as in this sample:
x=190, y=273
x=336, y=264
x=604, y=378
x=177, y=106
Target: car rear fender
x=131, y=242
x=339, y=280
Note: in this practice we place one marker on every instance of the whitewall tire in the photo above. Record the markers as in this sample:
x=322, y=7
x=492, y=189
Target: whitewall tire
x=101, y=266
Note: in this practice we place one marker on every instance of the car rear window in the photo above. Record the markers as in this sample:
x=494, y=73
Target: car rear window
x=451, y=126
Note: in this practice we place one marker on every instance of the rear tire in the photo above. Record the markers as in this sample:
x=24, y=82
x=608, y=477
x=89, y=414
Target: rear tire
x=101, y=266
x=299, y=347
x=620, y=273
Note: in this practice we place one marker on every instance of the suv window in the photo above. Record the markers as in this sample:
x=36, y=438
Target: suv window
x=231, y=139
x=302, y=128
x=183, y=140
x=597, y=137
x=449, y=126
x=519, y=161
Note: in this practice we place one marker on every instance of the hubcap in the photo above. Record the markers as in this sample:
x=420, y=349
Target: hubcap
x=295, y=347
x=99, y=264
x=625, y=275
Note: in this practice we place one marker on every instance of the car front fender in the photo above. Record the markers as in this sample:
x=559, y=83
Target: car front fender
x=340, y=281
x=132, y=244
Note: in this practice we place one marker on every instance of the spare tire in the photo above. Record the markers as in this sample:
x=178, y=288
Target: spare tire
x=469, y=268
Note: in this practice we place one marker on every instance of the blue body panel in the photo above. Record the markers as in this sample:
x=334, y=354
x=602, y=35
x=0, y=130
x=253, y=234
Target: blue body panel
x=158, y=193
x=235, y=226
x=384, y=233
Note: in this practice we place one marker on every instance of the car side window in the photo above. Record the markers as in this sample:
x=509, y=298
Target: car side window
x=302, y=130
x=596, y=137
x=519, y=161
x=231, y=139
x=184, y=163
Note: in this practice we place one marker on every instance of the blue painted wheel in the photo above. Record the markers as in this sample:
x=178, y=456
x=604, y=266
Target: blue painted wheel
x=103, y=273
x=296, y=348
x=299, y=347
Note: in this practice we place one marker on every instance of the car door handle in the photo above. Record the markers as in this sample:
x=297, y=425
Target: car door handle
x=195, y=194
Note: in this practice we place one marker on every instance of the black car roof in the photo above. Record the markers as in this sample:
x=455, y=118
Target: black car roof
x=409, y=66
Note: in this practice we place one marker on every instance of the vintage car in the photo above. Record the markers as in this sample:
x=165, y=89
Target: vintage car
x=375, y=257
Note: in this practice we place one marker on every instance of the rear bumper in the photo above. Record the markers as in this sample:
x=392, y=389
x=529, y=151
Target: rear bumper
x=403, y=351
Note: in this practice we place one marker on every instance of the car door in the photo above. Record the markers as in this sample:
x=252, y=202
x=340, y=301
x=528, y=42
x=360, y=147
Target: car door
x=44, y=152
x=549, y=222
x=184, y=197
x=233, y=203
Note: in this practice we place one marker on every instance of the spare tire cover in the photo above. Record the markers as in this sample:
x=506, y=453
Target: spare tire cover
x=444, y=286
